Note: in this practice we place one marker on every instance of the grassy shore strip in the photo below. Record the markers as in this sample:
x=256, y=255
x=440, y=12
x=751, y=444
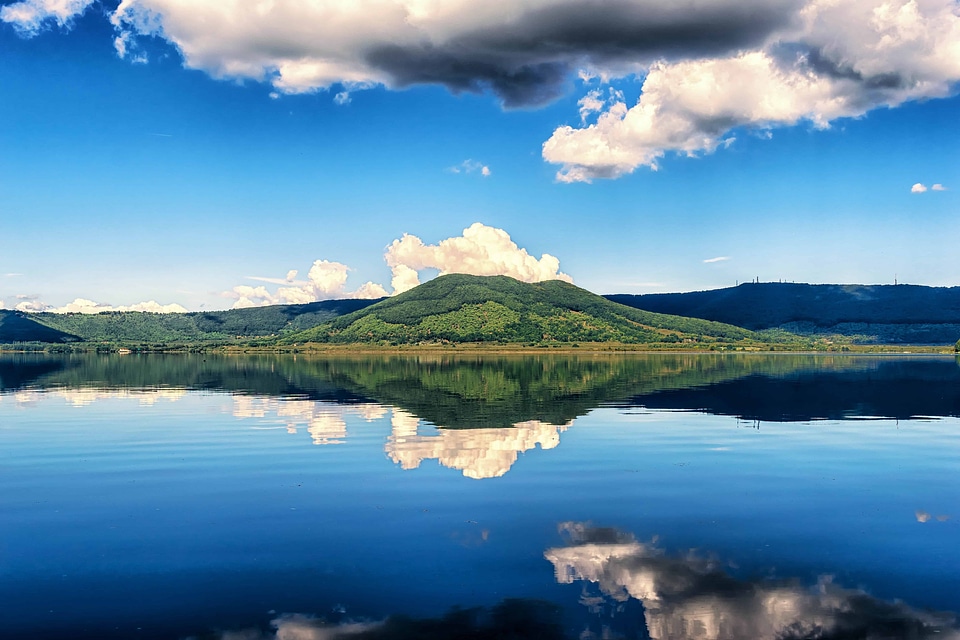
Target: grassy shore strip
x=484, y=347
x=589, y=348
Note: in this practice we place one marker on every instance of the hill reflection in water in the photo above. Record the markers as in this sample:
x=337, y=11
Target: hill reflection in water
x=490, y=409
x=463, y=392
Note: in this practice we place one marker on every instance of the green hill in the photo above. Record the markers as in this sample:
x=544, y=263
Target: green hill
x=462, y=308
x=136, y=327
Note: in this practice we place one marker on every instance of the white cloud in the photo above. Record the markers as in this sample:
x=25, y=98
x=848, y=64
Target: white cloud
x=342, y=98
x=82, y=305
x=29, y=17
x=595, y=101
x=717, y=259
x=326, y=280
x=836, y=59
x=922, y=188
x=471, y=166
x=32, y=306
x=480, y=251
x=590, y=104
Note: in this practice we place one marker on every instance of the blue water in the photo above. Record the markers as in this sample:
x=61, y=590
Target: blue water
x=187, y=510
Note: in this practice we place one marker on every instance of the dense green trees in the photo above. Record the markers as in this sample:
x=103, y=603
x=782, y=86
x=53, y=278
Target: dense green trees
x=140, y=328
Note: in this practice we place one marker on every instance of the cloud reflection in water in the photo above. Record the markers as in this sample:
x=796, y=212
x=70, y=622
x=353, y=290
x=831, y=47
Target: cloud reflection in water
x=324, y=421
x=478, y=453
x=513, y=618
x=86, y=396
x=691, y=597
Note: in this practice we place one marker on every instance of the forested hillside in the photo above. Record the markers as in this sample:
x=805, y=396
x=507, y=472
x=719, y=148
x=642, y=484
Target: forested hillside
x=877, y=313
x=170, y=328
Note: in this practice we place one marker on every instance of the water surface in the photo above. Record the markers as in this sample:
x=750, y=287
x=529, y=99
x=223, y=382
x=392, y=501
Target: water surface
x=659, y=496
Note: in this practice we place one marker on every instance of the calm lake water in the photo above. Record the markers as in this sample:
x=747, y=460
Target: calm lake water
x=644, y=496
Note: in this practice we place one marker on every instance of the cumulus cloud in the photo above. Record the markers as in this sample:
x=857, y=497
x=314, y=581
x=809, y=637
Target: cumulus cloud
x=471, y=166
x=596, y=100
x=480, y=251
x=832, y=59
x=82, y=305
x=525, y=53
x=326, y=280
x=707, y=67
x=30, y=17
x=922, y=188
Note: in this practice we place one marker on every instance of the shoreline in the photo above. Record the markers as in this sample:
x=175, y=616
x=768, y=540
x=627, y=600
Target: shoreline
x=484, y=348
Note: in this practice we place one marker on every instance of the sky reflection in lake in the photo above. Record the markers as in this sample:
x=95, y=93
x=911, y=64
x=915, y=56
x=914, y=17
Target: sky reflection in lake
x=171, y=497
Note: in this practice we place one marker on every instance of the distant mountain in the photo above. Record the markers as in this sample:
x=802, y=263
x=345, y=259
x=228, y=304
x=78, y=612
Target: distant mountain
x=877, y=313
x=463, y=308
x=160, y=328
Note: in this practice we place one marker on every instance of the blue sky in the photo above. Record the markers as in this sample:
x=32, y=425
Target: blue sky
x=195, y=161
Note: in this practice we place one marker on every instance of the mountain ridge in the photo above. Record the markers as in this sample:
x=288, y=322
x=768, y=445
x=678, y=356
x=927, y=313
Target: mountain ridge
x=899, y=313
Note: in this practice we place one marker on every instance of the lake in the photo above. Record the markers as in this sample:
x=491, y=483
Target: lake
x=632, y=496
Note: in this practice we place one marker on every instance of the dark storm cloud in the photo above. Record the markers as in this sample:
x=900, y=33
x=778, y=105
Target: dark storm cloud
x=530, y=61
x=824, y=65
x=517, y=85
